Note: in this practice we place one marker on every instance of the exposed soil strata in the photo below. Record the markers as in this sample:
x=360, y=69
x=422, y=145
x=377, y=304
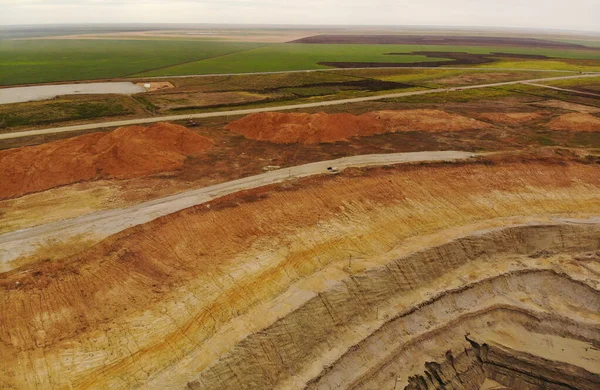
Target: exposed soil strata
x=436, y=40
x=335, y=258
x=513, y=321
x=470, y=365
x=123, y=153
x=342, y=307
x=304, y=128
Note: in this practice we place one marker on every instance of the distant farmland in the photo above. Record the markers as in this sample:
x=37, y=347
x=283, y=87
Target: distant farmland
x=37, y=61
x=296, y=56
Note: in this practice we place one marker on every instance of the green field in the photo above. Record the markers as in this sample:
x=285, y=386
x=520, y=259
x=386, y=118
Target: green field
x=283, y=57
x=37, y=61
x=71, y=108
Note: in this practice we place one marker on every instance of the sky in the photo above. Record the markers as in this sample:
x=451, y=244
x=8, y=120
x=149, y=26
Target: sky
x=543, y=14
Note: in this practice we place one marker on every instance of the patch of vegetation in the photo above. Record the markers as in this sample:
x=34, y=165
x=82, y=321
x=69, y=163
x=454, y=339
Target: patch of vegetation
x=311, y=91
x=370, y=85
x=260, y=82
x=587, y=66
x=455, y=96
x=37, y=61
x=146, y=104
x=283, y=57
x=50, y=60
x=62, y=110
x=574, y=82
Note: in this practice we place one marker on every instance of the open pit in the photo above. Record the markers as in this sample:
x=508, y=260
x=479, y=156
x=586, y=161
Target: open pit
x=435, y=275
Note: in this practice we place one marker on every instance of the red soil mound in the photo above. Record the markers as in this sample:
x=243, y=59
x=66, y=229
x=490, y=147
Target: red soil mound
x=576, y=122
x=124, y=153
x=511, y=118
x=304, y=128
x=316, y=128
x=427, y=120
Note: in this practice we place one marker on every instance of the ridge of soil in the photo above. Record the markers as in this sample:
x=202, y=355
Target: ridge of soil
x=580, y=122
x=303, y=128
x=126, y=152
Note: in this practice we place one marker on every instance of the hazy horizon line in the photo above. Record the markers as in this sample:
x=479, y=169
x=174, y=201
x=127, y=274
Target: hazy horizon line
x=290, y=25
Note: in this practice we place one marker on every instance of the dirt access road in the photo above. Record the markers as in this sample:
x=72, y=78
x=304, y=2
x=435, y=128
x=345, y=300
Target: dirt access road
x=102, y=224
x=565, y=90
x=100, y=125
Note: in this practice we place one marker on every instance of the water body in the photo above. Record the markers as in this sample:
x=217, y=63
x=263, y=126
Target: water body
x=43, y=92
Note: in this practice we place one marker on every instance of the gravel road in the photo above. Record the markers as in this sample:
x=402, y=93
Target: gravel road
x=102, y=224
x=100, y=125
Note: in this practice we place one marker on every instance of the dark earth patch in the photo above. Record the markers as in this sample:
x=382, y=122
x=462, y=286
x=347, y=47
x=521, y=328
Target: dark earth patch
x=438, y=40
x=365, y=85
x=306, y=90
x=455, y=58
x=527, y=56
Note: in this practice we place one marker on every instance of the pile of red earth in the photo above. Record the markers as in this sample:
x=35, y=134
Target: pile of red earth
x=576, y=122
x=126, y=152
x=288, y=128
x=511, y=118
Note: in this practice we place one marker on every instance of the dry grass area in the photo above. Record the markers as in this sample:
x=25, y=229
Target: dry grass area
x=156, y=85
x=307, y=263
x=563, y=105
x=191, y=100
x=483, y=78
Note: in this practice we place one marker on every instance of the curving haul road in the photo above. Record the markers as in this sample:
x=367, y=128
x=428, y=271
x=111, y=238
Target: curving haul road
x=102, y=224
x=100, y=125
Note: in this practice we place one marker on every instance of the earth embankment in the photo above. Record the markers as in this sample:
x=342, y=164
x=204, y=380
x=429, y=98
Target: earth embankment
x=126, y=152
x=305, y=128
x=576, y=122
